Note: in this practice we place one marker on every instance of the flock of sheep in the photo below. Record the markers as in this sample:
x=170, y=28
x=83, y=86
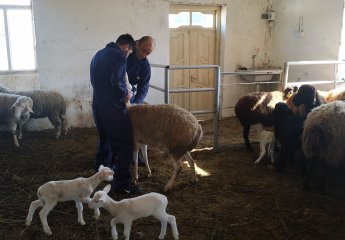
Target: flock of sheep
x=306, y=118
x=17, y=107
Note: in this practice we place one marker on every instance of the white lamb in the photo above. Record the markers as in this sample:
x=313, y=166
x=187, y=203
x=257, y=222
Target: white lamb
x=128, y=210
x=15, y=112
x=78, y=190
x=267, y=141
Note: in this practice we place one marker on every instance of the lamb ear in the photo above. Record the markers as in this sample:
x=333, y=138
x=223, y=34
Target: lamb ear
x=29, y=108
x=107, y=188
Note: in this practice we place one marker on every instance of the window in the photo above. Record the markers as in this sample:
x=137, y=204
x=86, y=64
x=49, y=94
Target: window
x=195, y=18
x=17, y=49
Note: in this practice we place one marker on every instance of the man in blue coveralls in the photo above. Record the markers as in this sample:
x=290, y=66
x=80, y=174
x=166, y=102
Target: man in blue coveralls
x=107, y=73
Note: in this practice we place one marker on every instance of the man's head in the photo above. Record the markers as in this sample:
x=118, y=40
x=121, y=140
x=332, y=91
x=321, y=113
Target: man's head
x=144, y=47
x=125, y=43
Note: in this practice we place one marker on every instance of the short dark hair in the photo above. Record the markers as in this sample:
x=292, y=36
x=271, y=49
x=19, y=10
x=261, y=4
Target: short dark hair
x=125, y=39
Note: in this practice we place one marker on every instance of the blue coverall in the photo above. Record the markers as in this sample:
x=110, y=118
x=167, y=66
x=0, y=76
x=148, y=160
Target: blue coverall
x=107, y=72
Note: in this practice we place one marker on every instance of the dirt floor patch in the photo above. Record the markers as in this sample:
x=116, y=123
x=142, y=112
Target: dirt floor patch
x=238, y=200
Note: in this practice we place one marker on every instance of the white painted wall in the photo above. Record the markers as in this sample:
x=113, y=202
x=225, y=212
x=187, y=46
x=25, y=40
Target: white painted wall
x=322, y=23
x=70, y=32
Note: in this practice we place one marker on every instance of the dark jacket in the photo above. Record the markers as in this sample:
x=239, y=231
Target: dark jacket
x=139, y=73
x=107, y=73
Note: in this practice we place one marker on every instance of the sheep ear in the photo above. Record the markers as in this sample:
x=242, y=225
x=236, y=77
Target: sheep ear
x=100, y=167
x=29, y=108
x=107, y=188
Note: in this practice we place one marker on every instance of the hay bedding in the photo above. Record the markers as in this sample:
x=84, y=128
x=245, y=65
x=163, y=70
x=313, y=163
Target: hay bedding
x=237, y=201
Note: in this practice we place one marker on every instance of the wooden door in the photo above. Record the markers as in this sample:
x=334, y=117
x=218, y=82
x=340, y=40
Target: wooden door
x=193, y=45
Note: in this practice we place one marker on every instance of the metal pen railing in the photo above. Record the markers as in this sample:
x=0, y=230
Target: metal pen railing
x=167, y=91
x=299, y=63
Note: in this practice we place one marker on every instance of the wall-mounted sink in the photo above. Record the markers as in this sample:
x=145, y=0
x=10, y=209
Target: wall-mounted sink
x=259, y=75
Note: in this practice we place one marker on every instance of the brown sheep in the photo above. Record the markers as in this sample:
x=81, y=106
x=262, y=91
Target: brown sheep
x=257, y=108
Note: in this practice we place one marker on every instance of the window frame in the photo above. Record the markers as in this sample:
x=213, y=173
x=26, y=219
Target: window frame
x=203, y=9
x=5, y=8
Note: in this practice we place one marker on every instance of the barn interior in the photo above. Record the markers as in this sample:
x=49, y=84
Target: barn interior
x=208, y=54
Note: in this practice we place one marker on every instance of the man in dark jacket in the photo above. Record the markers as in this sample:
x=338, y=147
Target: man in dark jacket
x=138, y=68
x=107, y=73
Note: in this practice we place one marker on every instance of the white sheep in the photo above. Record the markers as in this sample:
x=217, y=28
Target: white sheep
x=267, y=141
x=169, y=127
x=46, y=103
x=15, y=112
x=323, y=137
x=78, y=190
x=128, y=210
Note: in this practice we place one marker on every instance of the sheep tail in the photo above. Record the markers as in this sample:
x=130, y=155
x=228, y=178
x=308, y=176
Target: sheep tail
x=197, y=137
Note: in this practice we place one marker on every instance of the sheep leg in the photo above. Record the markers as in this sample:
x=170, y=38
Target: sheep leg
x=127, y=229
x=192, y=166
x=49, y=205
x=135, y=161
x=79, y=206
x=172, y=222
x=177, y=169
x=323, y=178
x=307, y=177
x=33, y=206
x=271, y=151
x=56, y=121
x=143, y=149
x=246, y=130
x=64, y=127
x=19, y=132
x=114, y=233
x=96, y=213
x=13, y=127
x=262, y=152
x=164, y=223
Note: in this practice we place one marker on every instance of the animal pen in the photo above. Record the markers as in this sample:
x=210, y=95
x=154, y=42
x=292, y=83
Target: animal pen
x=219, y=83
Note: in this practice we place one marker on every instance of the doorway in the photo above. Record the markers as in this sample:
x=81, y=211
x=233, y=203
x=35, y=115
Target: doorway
x=194, y=40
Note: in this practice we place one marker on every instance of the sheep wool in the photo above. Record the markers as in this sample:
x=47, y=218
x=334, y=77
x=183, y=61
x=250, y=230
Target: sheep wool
x=324, y=133
x=165, y=126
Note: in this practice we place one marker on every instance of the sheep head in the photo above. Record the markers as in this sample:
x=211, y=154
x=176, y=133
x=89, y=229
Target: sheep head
x=99, y=198
x=106, y=173
x=22, y=106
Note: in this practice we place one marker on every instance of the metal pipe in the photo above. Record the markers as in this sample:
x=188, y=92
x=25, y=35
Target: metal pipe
x=286, y=75
x=252, y=73
x=248, y=83
x=157, y=88
x=295, y=63
x=193, y=67
x=166, y=84
x=158, y=65
x=202, y=111
x=182, y=90
x=217, y=110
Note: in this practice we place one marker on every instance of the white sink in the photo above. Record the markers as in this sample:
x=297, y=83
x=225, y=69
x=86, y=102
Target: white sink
x=259, y=75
